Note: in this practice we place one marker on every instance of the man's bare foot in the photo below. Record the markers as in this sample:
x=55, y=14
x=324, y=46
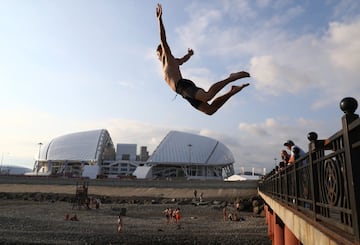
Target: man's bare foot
x=235, y=89
x=239, y=75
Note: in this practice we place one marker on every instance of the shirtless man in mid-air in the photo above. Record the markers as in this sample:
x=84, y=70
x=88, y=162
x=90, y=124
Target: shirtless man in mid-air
x=196, y=96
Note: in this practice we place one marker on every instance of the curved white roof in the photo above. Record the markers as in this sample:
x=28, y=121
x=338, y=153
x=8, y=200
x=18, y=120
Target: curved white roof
x=185, y=148
x=82, y=146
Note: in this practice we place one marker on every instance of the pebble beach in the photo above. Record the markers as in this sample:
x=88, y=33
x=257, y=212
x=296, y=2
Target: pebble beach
x=33, y=217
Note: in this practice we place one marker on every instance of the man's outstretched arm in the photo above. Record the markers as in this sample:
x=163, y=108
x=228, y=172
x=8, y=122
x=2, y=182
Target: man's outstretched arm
x=162, y=28
x=186, y=57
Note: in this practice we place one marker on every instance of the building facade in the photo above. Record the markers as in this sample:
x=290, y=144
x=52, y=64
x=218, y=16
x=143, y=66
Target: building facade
x=93, y=154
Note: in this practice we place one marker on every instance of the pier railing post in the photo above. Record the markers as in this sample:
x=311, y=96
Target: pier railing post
x=351, y=137
x=314, y=181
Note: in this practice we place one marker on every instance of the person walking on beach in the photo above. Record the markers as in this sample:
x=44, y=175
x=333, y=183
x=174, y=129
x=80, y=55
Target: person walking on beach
x=196, y=96
x=119, y=224
x=171, y=214
x=177, y=217
x=167, y=213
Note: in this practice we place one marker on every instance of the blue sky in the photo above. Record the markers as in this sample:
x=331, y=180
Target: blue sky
x=69, y=66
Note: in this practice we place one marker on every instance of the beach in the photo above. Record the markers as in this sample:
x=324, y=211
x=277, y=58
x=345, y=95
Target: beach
x=39, y=217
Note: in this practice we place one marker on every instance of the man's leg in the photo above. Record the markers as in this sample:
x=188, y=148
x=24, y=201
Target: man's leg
x=220, y=101
x=216, y=87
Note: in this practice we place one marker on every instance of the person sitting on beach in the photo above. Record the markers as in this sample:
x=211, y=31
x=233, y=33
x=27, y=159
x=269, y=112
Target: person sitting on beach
x=231, y=216
x=235, y=217
x=87, y=203
x=74, y=218
x=97, y=203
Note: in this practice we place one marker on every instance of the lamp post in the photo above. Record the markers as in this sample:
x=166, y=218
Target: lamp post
x=2, y=159
x=189, y=145
x=40, y=144
x=189, y=168
x=36, y=164
x=275, y=159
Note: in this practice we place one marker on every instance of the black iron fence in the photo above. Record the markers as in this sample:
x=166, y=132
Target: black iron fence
x=324, y=184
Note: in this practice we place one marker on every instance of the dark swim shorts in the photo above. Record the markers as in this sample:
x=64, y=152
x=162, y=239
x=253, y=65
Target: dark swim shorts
x=187, y=89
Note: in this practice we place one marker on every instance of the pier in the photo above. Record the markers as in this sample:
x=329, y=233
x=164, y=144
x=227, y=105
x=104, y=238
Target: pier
x=316, y=200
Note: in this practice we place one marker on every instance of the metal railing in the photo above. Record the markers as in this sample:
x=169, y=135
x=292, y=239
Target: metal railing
x=324, y=184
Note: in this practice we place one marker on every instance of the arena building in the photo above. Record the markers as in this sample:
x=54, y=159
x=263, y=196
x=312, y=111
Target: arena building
x=188, y=155
x=68, y=154
x=92, y=154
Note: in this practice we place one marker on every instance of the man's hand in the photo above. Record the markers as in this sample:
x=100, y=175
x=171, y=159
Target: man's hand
x=159, y=10
x=190, y=51
x=186, y=57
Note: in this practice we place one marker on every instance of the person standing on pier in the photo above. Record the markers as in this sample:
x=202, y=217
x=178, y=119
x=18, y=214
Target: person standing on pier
x=295, y=151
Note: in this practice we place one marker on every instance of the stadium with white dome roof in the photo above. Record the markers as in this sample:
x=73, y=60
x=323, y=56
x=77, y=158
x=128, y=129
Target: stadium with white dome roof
x=92, y=154
x=188, y=155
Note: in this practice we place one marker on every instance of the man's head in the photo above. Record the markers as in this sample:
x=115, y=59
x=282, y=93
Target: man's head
x=289, y=144
x=159, y=51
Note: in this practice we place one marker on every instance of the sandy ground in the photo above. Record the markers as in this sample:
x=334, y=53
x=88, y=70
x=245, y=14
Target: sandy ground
x=43, y=221
x=219, y=193
x=28, y=222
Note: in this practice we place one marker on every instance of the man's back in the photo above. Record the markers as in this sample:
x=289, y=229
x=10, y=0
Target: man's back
x=297, y=151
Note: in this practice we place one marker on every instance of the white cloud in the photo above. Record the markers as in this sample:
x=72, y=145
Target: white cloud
x=327, y=64
x=275, y=78
x=195, y=33
x=344, y=46
x=253, y=129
